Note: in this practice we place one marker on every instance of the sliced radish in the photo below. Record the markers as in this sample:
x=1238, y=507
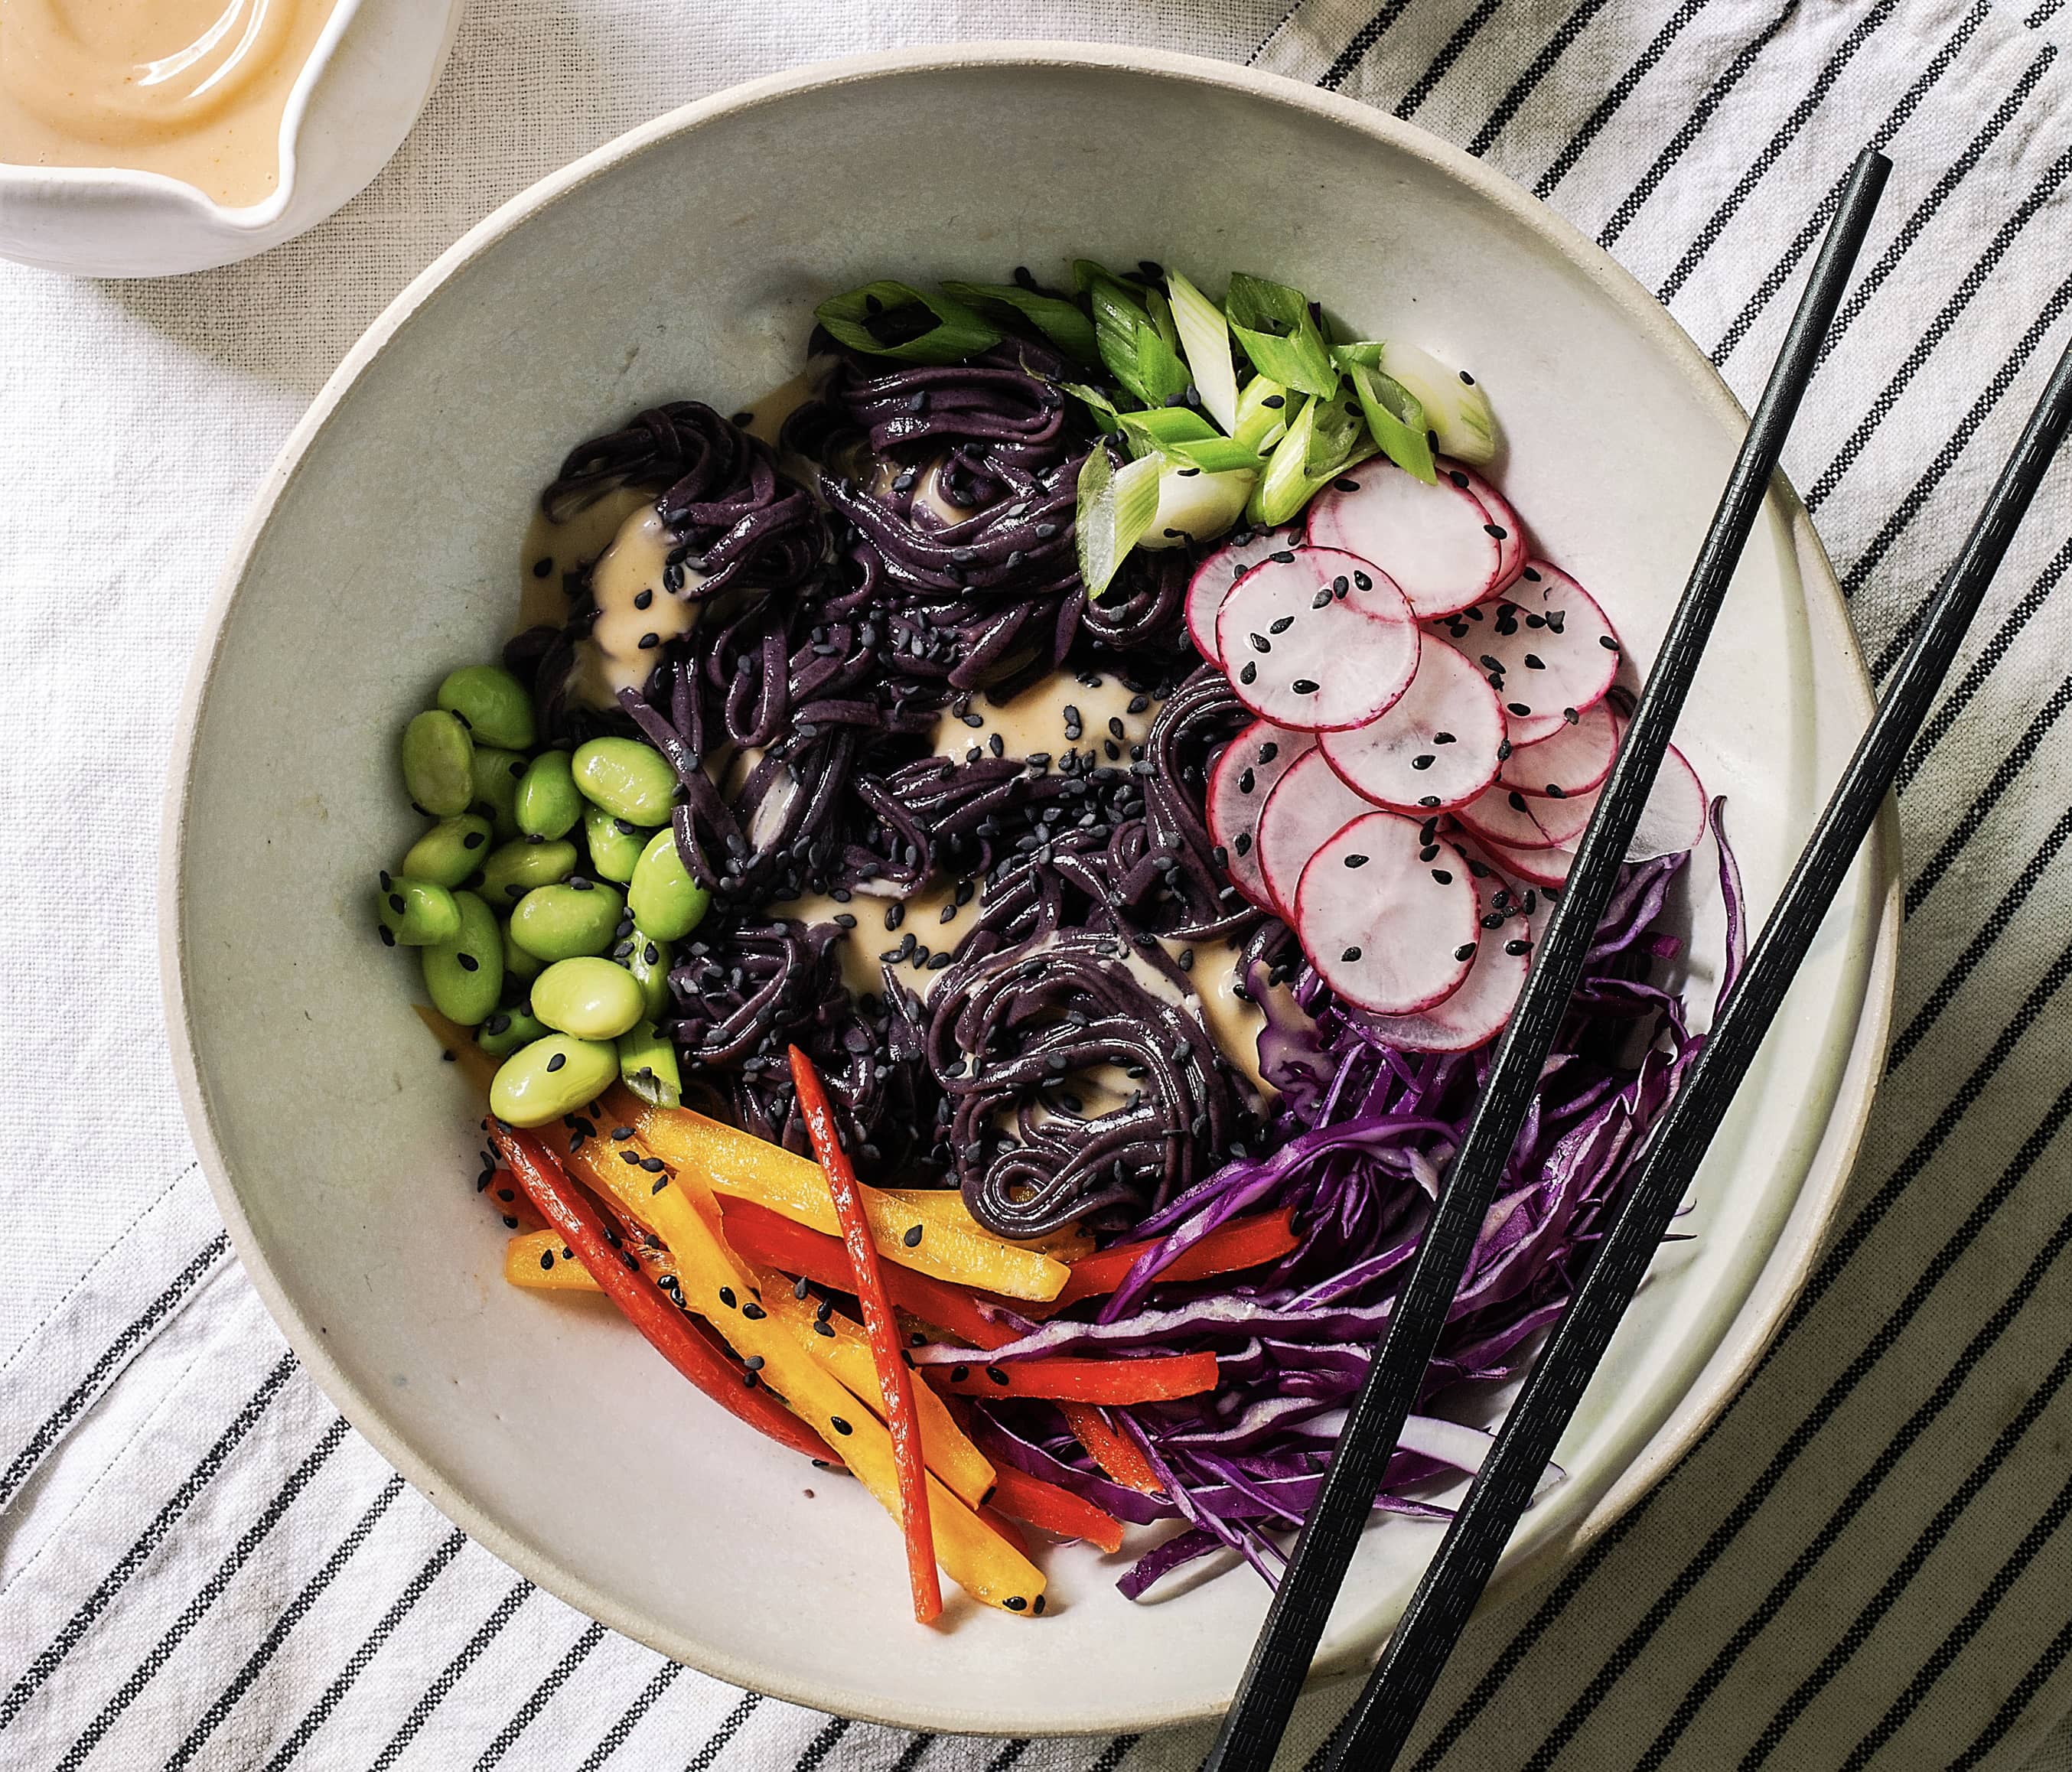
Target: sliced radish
x=1673, y=821
x=1536, y=867
x=1433, y=540
x=1573, y=761
x=1315, y=639
x=1500, y=519
x=1239, y=781
x=1436, y=748
x=1308, y=807
x=1476, y=1013
x=1670, y=823
x=1215, y=575
x=1544, y=643
x=1532, y=728
x=1502, y=815
x=1390, y=930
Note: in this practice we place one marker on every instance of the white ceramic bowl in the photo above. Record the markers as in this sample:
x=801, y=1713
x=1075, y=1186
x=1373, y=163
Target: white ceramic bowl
x=685, y=259
x=374, y=65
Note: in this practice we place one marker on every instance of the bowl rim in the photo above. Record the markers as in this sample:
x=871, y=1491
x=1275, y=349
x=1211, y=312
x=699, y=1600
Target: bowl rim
x=1775, y=1285
x=49, y=182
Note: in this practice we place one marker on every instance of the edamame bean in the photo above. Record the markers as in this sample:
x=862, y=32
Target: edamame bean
x=563, y=922
x=416, y=913
x=551, y=1077
x=547, y=805
x=518, y=964
x=648, y=1067
x=438, y=760
x=513, y=870
x=492, y=701
x=628, y=778
x=649, y=961
x=666, y=901
x=592, y=999
x=508, y=1030
x=465, y=973
x=496, y=777
x=451, y=851
x=615, y=844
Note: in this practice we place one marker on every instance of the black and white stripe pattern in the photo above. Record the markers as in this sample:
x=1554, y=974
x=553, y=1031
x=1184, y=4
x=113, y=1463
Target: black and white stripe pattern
x=1865, y=1562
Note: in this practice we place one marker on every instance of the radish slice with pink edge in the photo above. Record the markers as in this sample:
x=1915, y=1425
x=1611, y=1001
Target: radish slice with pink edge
x=1574, y=760
x=1548, y=868
x=1388, y=931
x=1502, y=815
x=1437, y=747
x=1308, y=806
x=1500, y=521
x=1315, y=639
x=1671, y=823
x=1476, y=1013
x=1240, y=780
x=1215, y=575
x=1532, y=728
x=1545, y=645
x=1433, y=540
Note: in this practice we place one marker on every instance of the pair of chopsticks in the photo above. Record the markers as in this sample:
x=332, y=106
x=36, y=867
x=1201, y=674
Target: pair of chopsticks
x=1374, y=1731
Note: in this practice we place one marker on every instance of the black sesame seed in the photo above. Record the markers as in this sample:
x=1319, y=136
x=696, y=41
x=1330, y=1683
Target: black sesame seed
x=1350, y=954
x=753, y=1312
x=996, y=1375
x=1249, y=674
x=1282, y=626
x=727, y=1297
x=543, y=566
x=1303, y=686
x=958, y=1374
x=912, y=1239
x=1521, y=708
x=1466, y=951
x=1442, y=877
x=643, y=598
x=1495, y=529
x=839, y=1425
x=1608, y=643
x=1356, y=861
x=1014, y=1603
x=1517, y=947
x=1260, y=643
x=1424, y=760
x=1429, y=800
x=557, y=1061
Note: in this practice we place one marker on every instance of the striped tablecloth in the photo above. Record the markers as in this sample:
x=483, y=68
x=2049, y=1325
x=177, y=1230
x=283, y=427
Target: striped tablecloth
x=1865, y=1563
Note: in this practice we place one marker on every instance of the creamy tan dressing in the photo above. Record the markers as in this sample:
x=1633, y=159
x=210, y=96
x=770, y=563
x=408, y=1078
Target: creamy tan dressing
x=195, y=89
x=866, y=939
x=1060, y=714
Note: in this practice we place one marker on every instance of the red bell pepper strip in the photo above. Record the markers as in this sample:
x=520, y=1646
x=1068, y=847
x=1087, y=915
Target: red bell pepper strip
x=1243, y=1243
x=1159, y=1377
x=895, y=1378
x=1053, y=1508
x=758, y=1234
x=1116, y=1455
x=671, y=1333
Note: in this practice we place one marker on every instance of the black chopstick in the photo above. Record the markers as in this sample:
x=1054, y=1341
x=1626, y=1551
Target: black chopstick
x=1375, y=1728
x=1302, y=1601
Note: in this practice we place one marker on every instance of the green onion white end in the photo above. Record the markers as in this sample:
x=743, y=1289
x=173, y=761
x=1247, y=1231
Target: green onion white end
x=1456, y=409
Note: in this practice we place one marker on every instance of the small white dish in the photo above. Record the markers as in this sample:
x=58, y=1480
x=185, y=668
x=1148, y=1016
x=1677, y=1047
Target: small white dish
x=374, y=65
x=684, y=261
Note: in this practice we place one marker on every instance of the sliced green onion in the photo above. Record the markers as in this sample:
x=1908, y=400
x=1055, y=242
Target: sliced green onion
x=1099, y=404
x=1335, y=430
x=1059, y=321
x=1456, y=411
x=1115, y=509
x=1205, y=341
x=1289, y=483
x=1274, y=324
x=1194, y=506
x=1395, y=417
x=910, y=324
x=1218, y=455
x=1161, y=427
x=1129, y=342
x=1161, y=311
x=1262, y=413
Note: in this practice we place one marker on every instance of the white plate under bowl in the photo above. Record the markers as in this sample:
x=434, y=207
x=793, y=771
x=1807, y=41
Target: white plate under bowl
x=685, y=260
